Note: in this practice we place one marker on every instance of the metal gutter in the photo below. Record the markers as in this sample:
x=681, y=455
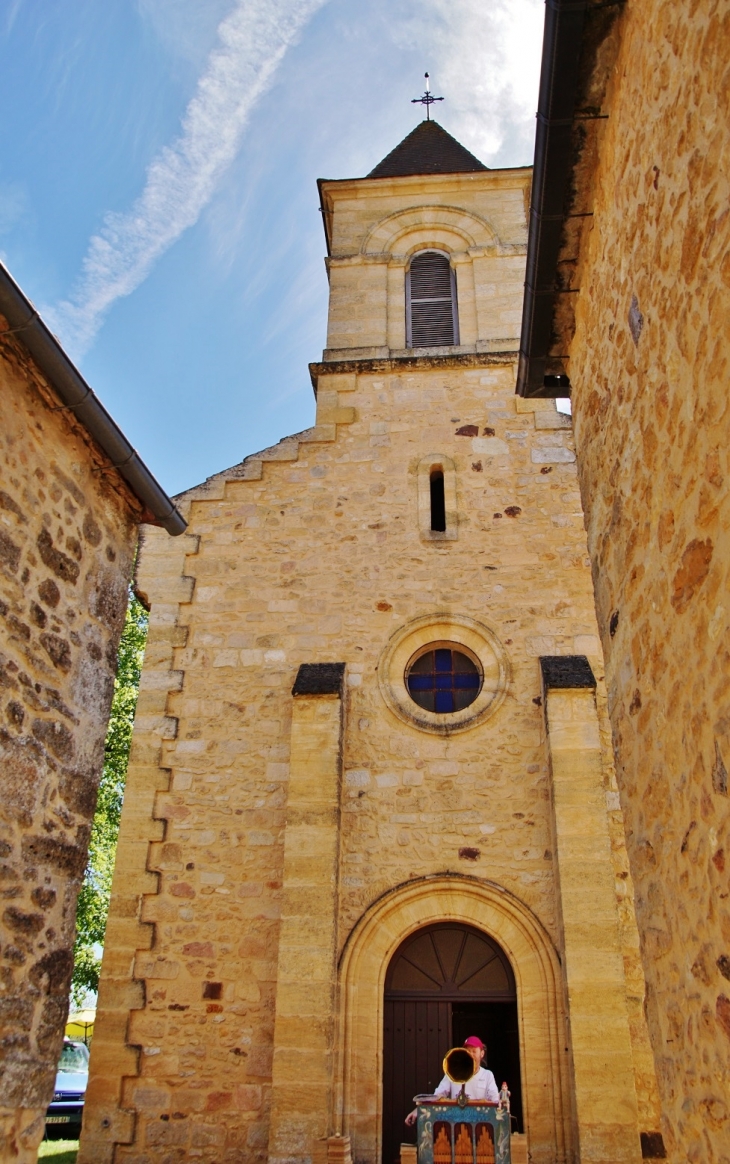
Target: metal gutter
x=551, y=176
x=571, y=62
x=77, y=397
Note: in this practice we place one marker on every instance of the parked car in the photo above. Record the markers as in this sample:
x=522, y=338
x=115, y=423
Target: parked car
x=63, y=1118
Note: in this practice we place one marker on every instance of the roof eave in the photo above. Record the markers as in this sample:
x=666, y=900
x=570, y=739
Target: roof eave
x=579, y=50
x=323, y=210
x=79, y=399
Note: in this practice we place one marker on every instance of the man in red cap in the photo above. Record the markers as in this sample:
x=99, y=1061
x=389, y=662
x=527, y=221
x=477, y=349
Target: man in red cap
x=482, y=1085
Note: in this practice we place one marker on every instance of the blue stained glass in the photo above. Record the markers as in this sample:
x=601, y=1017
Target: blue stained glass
x=444, y=701
x=443, y=680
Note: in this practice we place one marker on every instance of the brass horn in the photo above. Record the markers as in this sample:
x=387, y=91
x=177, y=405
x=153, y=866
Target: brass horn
x=459, y=1065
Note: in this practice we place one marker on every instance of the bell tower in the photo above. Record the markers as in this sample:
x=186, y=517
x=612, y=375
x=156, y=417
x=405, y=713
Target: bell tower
x=430, y=196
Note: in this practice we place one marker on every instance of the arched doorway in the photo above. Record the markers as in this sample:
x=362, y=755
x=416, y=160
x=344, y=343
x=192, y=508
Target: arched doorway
x=444, y=982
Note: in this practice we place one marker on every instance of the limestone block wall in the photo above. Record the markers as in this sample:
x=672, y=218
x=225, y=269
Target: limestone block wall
x=360, y=291
x=67, y=536
x=313, y=551
x=649, y=366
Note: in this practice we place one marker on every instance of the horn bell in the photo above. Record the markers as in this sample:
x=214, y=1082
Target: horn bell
x=459, y=1065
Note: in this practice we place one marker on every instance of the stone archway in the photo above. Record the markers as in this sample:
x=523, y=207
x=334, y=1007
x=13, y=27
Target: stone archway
x=445, y=982
x=363, y=967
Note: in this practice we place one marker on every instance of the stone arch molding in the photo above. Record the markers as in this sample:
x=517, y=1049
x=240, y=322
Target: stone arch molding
x=363, y=965
x=447, y=227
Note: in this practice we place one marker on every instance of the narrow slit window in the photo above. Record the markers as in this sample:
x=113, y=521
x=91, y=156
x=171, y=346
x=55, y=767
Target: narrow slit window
x=438, y=520
x=431, y=313
x=438, y=501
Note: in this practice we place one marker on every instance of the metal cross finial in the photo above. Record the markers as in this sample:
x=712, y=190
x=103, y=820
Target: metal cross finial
x=427, y=99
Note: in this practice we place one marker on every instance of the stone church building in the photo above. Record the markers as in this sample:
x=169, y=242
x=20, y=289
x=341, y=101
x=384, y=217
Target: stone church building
x=371, y=807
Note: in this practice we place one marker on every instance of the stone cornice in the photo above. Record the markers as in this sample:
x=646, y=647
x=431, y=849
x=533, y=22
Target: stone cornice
x=410, y=363
x=498, y=250
x=509, y=175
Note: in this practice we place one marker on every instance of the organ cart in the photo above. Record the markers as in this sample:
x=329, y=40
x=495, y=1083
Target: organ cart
x=462, y=1130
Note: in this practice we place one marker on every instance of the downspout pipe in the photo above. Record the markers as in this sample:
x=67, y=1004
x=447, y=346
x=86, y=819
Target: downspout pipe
x=559, y=77
x=79, y=399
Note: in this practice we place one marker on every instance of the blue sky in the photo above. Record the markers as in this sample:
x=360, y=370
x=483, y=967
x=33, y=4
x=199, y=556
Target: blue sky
x=158, y=198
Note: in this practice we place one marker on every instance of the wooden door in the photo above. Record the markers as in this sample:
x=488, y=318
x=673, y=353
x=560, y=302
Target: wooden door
x=440, y=978
x=417, y=1035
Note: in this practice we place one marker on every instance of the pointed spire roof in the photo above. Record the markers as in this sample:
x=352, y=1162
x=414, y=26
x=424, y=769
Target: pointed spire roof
x=428, y=149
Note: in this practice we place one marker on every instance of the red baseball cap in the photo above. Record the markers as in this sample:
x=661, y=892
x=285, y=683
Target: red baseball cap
x=474, y=1041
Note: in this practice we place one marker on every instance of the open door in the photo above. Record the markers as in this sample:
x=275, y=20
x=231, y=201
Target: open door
x=445, y=982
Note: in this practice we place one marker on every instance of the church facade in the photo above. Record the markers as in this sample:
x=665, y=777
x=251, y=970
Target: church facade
x=371, y=807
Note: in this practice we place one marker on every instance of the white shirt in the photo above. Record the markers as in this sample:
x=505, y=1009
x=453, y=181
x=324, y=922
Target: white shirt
x=480, y=1086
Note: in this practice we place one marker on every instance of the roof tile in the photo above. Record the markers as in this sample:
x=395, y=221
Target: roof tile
x=428, y=149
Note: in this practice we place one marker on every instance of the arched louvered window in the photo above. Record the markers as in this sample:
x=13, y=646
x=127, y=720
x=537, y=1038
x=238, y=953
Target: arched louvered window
x=432, y=319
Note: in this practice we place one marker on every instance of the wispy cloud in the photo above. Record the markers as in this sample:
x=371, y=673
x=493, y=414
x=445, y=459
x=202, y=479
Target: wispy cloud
x=187, y=28
x=13, y=205
x=485, y=58
x=252, y=40
x=490, y=58
x=11, y=13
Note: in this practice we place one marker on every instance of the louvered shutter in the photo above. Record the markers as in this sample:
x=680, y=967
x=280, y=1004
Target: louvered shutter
x=431, y=302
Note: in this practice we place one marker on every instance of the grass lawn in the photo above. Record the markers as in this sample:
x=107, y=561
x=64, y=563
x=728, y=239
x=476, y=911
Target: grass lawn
x=58, y=1151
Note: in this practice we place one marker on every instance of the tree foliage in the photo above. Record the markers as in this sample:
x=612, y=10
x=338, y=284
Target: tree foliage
x=93, y=904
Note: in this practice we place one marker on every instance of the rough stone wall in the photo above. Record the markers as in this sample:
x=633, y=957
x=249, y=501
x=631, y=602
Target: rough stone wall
x=650, y=365
x=644, y=1070
x=67, y=535
x=312, y=551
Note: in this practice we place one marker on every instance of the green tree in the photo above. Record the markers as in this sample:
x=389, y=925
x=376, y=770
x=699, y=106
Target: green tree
x=93, y=904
